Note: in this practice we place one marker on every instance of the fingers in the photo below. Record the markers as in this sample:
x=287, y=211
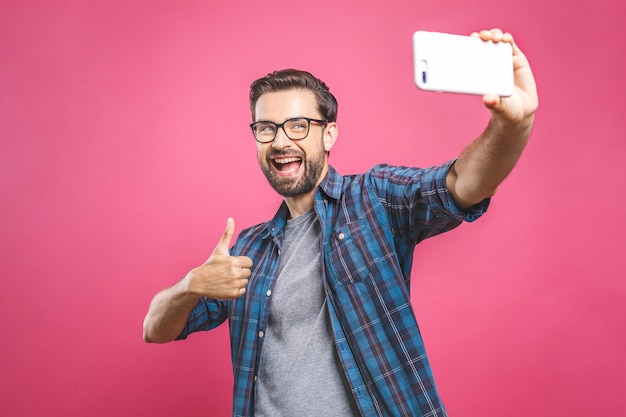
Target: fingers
x=243, y=273
x=224, y=244
x=221, y=277
x=494, y=35
x=239, y=288
x=239, y=267
x=244, y=262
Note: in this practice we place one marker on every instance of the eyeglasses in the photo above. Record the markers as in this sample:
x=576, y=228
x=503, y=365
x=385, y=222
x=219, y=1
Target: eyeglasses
x=295, y=129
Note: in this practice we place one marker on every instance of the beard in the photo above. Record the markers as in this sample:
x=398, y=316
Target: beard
x=293, y=187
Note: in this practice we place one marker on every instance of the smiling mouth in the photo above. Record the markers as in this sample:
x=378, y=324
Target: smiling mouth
x=287, y=165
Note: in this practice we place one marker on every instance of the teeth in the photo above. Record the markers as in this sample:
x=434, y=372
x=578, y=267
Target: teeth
x=286, y=160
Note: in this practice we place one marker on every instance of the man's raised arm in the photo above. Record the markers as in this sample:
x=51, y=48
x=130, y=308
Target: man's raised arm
x=484, y=164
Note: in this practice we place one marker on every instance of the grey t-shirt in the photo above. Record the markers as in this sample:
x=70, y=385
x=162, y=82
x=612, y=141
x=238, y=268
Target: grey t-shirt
x=300, y=373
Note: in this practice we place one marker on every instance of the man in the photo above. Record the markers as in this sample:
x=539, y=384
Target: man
x=317, y=298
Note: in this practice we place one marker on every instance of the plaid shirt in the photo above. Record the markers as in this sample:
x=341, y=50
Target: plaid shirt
x=370, y=226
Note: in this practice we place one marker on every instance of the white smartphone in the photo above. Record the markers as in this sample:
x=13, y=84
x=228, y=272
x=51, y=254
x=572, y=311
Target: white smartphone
x=462, y=64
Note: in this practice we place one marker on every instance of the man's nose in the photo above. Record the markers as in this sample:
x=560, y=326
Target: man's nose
x=281, y=141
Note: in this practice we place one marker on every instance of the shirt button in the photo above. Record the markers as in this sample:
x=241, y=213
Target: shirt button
x=255, y=378
x=261, y=333
x=279, y=251
x=341, y=236
x=268, y=293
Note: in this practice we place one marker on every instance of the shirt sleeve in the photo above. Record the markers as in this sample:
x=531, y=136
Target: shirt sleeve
x=418, y=202
x=434, y=190
x=206, y=315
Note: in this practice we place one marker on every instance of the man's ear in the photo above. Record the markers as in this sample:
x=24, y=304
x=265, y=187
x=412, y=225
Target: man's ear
x=330, y=136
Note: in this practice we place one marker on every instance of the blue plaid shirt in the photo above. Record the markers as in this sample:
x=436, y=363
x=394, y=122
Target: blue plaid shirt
x=370, y=226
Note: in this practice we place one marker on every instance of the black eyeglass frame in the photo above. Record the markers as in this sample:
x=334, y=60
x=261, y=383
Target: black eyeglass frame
x=282, y=126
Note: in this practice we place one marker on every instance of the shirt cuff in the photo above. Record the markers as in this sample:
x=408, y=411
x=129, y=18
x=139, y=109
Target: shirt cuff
x=468, y=215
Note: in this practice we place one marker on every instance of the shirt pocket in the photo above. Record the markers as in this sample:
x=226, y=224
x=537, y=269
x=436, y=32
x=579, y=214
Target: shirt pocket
x=350, y=259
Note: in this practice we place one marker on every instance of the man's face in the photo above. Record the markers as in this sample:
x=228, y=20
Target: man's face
x=293, y=167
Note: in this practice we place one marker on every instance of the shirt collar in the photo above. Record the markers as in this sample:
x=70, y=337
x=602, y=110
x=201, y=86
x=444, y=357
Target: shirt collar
x=332, y=183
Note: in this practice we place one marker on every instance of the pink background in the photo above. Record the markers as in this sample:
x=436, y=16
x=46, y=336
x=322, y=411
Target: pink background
x=124, y=146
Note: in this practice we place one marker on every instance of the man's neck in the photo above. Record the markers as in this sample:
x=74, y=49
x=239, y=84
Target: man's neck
x=300, y=204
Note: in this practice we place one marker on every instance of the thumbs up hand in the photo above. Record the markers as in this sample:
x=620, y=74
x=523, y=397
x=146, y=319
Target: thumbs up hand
x=221, y=277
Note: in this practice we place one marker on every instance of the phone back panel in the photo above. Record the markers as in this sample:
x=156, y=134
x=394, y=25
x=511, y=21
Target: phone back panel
x=462, y=64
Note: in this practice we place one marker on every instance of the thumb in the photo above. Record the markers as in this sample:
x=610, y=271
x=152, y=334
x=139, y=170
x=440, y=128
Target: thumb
x=224, y=244
x=491, y=101
x=497, y=105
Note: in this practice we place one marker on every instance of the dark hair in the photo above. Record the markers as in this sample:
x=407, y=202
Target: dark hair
x=289, y=79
